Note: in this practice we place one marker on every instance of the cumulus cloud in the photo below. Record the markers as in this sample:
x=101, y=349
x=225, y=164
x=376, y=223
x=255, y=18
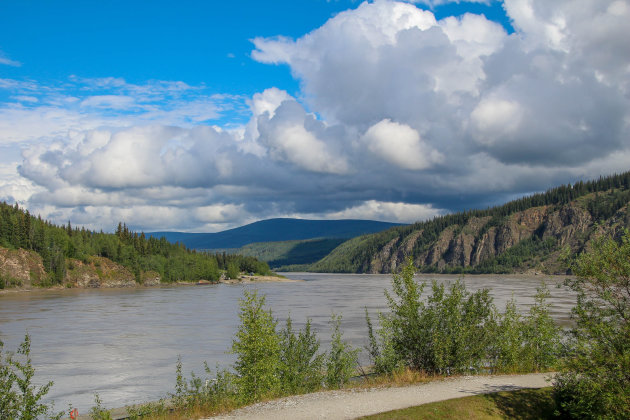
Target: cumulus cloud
x=401, y=145
x=400, y=117
x=397, y=212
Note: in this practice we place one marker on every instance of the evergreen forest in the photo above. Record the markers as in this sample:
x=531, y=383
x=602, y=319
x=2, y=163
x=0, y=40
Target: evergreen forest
x=59, y=245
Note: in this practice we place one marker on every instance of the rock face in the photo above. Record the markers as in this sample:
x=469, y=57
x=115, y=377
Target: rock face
x=21, y=266
x=480, y=238
x=25, y=269
x=98, y=272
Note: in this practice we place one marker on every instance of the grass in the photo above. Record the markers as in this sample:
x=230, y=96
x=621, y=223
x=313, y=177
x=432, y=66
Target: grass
x=521, y=405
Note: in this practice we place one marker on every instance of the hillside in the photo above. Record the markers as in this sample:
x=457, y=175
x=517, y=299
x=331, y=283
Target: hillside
x=37, y=253
x=285, y=253
x=275, y=230
x=535, y=233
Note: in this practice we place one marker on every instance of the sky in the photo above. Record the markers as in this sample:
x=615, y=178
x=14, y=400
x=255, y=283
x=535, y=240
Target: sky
x=203, y=116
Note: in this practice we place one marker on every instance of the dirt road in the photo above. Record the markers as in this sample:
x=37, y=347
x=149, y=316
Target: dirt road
x=349, y=404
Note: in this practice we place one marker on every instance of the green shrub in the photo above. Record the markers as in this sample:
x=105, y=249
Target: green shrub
x=257, y=346
x=342, y=358
x=380, y=347
x=595, y=382
x=233, y=271
x=300, y=367
x=20, y=399
x=98, y=412
x=408, y=338
x=541, y=335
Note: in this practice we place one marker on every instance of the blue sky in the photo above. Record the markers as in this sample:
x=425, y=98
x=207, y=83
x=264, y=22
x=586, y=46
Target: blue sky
x=202, y=116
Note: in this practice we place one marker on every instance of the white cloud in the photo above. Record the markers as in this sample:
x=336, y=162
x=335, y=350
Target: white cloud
x=386, y=211
x=4, y=60
x=401, y=145
x=493, y=119
x=400, y=116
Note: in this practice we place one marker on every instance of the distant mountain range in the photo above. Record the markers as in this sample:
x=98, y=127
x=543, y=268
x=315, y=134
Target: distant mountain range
x=274, y=230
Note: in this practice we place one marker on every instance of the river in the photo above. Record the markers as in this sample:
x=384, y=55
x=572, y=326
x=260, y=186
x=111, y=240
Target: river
x=123, y=343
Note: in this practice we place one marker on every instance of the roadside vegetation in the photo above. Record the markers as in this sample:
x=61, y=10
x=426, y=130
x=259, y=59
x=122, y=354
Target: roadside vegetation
x=429, y=331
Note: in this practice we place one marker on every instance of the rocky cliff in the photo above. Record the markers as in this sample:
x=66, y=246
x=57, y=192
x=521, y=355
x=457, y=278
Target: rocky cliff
x=24, y=269
x=538, y=238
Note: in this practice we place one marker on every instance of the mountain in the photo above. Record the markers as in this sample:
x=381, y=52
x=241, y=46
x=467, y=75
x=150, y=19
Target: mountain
x=535, y=233
x=273, y=230
x=280, y=255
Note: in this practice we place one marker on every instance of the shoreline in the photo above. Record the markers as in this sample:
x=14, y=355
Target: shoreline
x=244, y=279
x=252, y=279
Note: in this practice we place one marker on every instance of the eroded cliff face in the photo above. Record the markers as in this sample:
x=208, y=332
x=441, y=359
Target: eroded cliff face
x=21, y=267
x=25, y=269
x=478, y=240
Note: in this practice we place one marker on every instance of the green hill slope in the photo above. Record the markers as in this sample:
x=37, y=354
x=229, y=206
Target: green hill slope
x=53, y=255
x=275, y=230
x=279, y=255
x=531, y=233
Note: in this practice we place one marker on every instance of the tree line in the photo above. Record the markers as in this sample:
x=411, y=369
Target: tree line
x=135, y=251
x=610, y=194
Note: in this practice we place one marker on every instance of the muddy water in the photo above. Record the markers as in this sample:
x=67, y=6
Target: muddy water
x=123, y=344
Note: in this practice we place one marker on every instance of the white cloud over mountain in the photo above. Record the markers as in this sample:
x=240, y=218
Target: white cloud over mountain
x=400, y=116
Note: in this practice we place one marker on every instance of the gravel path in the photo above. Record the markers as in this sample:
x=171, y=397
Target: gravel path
x=349, y=404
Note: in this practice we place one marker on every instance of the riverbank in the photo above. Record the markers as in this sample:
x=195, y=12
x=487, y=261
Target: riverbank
x=244, y=279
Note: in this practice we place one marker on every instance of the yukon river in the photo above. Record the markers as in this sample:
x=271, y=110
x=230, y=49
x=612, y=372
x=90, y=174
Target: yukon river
x=123, y=343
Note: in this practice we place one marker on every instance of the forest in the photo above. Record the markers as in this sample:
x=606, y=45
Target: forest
x=58, y=245
x=602, y=198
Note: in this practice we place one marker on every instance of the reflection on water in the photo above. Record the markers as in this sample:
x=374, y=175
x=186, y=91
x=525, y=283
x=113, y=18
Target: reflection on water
x=123, y=343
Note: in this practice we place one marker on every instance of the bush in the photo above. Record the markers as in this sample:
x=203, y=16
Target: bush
x=98, y=412
x=380, y=348
x=595, y=382
x=541, y=335
x=300, y=367
x=19, y=398
x=449, y=334
x=342, y=358
x=257, y=346
x=233, y=271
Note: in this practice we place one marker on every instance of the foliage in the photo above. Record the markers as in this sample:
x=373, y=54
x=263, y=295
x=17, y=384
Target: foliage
x=97, y=412
x=59, y=245
x=458, y=327
x=595, y=382
x=285, y=253
x=526, y=344
x=342, y=358
x=148, y=410
x=605, y=197
x=257, y=346
x=300, y=367
x=233, y=271
x=517, y=256
x=541, y=341
x=407, y=335
x=7, y=281
x=456, y=331
x=380, y=347
x=20, y=399
x=449, y=334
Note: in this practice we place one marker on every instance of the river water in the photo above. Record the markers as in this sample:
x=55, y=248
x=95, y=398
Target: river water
x=123, y=343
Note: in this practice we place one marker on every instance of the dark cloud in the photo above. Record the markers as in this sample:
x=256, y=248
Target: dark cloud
x=400, y=117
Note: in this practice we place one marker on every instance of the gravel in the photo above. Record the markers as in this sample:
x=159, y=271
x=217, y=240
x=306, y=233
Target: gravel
x=352, y=403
